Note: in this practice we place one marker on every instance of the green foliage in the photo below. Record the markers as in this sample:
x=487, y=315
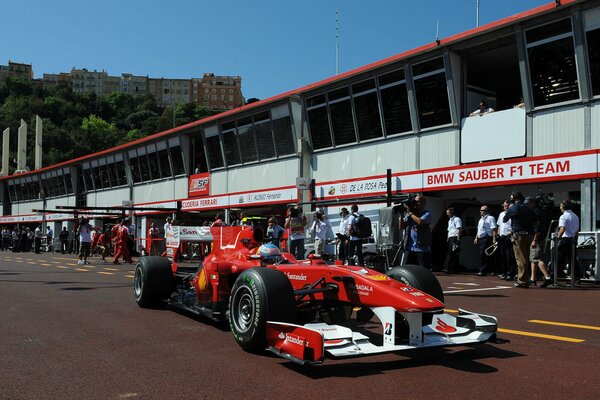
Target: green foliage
x=79, y=124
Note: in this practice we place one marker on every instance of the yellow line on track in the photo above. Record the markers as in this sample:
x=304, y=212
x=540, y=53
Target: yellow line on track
x=537, y=321
x=61, y=267
x=82, y=270
x=128, y=276
x=110, y=269
x=105, y=273
x=47, y=265
x=541, y=335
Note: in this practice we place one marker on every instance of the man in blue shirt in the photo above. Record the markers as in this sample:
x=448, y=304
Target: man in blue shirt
x=417, y=221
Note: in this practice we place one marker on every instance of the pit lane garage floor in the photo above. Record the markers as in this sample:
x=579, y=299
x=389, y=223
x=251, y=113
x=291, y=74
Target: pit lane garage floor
x=70, y=331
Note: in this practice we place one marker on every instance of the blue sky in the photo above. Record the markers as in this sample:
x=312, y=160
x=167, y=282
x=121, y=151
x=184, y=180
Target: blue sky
x=274, y=45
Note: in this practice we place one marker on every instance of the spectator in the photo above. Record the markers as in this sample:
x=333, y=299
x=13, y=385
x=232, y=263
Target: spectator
x=296, y=222
x=218, y=221
x=274, y=231
x=37, y=239
x=355, y=243
x=417, y=223
x=16, y=240
x=505, y=247
x=538, y=256
x=342, y=236
x=152, y=242
x=320, y=228
x=486, y=235
x=568, y=227
x=452, y=265
x=524, y=223
x=483, y=109
x=6, y=238
x=49, y=237
x=64, y=240
x=85, y=240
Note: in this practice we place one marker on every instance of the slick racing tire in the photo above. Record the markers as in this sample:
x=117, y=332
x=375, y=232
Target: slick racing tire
x=152, y=281
x=259, y=295
x=420, y=278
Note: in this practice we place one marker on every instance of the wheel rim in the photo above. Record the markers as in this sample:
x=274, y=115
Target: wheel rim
x=138, y=284
x=243, y=310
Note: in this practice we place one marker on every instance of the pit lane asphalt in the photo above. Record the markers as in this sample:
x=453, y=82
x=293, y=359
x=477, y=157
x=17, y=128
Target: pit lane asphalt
x=75, y=332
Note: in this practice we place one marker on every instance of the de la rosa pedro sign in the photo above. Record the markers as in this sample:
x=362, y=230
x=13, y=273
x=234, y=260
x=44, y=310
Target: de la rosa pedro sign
x=576, y=166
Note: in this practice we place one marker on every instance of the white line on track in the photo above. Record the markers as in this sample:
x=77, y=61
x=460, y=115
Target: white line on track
x=477, y=290
x=465, y=284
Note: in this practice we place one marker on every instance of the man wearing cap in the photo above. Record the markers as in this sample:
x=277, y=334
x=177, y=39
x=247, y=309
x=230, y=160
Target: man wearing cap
x=486, y=235
x=524, y=223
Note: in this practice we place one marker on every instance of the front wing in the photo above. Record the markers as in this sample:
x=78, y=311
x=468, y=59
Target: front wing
x=311, y=343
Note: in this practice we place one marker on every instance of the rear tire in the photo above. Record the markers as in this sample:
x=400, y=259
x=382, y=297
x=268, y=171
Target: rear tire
x=259, y=295
x=153, y=281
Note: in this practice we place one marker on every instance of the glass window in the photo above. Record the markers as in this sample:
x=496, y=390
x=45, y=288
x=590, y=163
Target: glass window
x=342, y=122
x=551, y=54
x=264, y=135
x=431, y=93
x=284, y=137
x=592, y=35
x=121, y=172
x=230, y=145
x=199, y=160
x=12, y=192
x=135, y=169
x=177, y=159
x=366, y=107
x=89, y=182
x=165, y=166
x=318, y=123
x=394, y=102
x=69, y=183
x=593, y=48
x=213, y=146
x=153, y=161
x=104, y=176
x=246, y=140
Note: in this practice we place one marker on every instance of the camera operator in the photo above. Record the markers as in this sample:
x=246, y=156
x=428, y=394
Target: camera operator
x=417, y=224
x=296, y=222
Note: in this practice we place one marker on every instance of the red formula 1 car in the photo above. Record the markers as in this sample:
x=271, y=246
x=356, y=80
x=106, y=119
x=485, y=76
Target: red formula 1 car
x=308, y=310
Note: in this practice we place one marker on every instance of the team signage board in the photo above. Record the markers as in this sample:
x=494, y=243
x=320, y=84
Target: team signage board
x=534, y=169
x=195, y=234
x=262, y=197
x=199, y=185
x=172, y=236
x=373, y=186
x=568, y=166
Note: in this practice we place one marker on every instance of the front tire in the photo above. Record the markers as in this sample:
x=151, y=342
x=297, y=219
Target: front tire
x=259, y=295
x=420, y=278
x=152, y=281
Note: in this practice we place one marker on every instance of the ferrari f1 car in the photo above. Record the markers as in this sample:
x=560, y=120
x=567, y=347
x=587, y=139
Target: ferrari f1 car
x=307, y=310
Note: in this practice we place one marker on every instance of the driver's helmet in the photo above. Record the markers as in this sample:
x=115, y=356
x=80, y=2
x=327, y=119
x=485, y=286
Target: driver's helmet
x=270, y=253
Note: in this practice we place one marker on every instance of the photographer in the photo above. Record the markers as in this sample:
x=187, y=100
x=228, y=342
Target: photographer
x=296, y=222
x=417, y=225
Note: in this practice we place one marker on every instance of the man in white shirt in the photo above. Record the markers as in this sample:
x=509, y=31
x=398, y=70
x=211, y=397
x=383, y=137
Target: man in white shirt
x=505, y=246
x=343, y=234
x=320, y=228
x=568, y=227
x=452, y=265
x=486, y=235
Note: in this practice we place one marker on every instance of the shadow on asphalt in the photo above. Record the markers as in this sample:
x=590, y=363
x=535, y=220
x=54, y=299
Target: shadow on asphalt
x=466, y=360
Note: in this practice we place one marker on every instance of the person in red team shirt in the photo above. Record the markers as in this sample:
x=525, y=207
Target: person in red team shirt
x=122, y=240
x=95, y=236
x=104, y=244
